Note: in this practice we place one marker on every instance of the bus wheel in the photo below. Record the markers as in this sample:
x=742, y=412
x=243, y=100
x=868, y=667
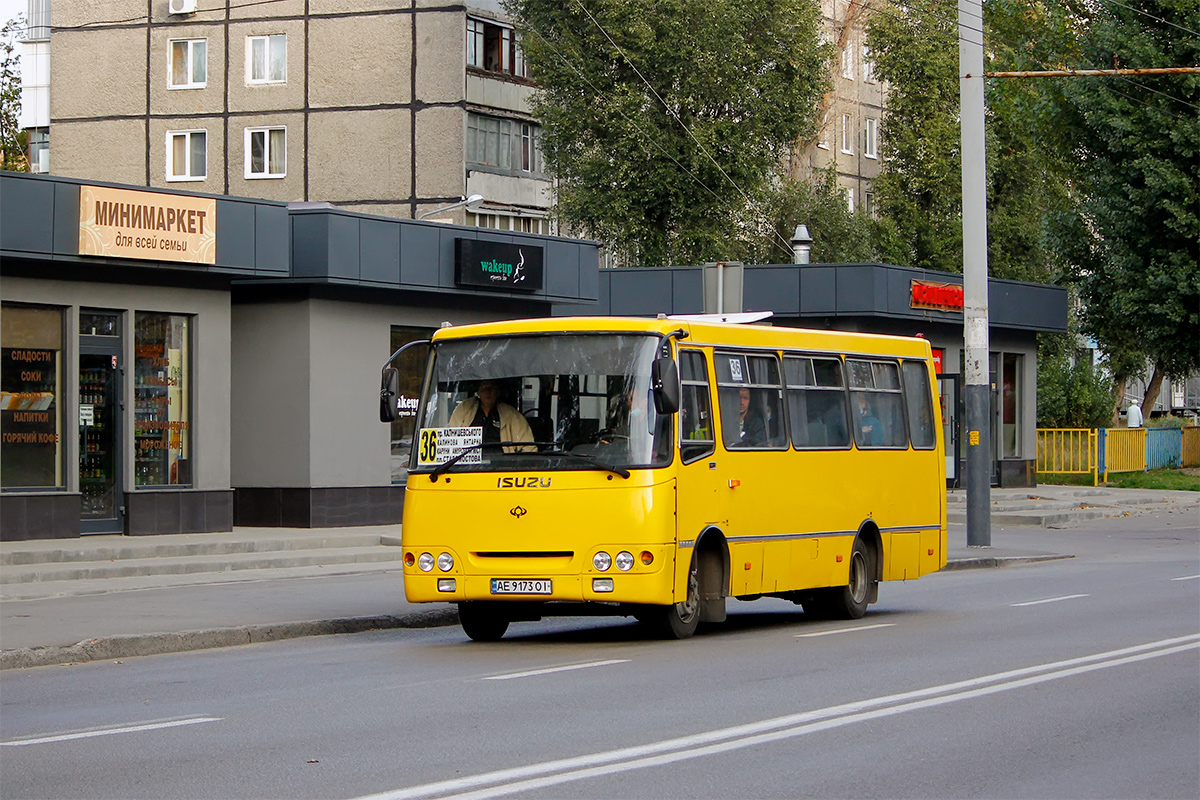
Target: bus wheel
x=680, y=620
x=850, y=601
x=483, y=622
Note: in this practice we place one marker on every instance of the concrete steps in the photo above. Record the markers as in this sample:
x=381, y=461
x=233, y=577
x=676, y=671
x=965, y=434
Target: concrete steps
x=51, y=568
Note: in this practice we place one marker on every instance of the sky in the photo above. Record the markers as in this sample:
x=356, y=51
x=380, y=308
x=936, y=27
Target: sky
x=10, y=8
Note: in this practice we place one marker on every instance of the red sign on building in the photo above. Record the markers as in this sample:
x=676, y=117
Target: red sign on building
x=939, y=296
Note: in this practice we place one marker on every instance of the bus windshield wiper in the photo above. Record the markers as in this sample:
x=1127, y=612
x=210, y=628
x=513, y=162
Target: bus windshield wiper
x=604, y=465
x=450, y=462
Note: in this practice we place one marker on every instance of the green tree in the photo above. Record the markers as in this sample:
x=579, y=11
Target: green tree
x=838, y=235
x=1131, y=241
x=665, y=121
x=12, y=138
x=915, y=48
x=1069, y=395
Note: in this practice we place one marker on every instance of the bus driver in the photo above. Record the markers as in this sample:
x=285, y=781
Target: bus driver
x=500, y=421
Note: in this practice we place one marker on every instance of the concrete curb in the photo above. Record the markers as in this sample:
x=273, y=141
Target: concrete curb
x=160, y=643
x=997, y=561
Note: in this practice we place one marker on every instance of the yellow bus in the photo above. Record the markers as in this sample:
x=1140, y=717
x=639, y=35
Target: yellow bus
x=654, y=468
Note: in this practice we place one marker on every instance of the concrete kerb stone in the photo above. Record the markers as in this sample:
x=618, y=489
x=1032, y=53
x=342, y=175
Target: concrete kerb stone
x=982, y=562
x=115, y=647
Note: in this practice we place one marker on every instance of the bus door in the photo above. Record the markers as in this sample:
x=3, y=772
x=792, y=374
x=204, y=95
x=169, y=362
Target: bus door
x=700, y=498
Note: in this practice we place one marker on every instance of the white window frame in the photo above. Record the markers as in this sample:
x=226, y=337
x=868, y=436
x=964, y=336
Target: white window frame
x=849, y=190
x=188, y=175
x=871, y=138
x=269, y=40
x=266, y=131
x=189, y=81
x=847, y=134
x=823, y=134
x=868, y=68
x=848, y=62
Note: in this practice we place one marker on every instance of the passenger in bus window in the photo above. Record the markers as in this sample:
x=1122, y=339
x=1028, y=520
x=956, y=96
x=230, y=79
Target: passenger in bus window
x=752, y=429
x=500, y=421
x=870, y=429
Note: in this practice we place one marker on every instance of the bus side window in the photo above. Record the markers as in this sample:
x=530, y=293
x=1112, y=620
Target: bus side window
x=751, y=401
x=877, y=406
x=695, y=414
x=920, y=404
x=816, y=402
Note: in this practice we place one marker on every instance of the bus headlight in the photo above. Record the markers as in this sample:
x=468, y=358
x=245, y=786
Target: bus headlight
x=624, y=561
x=602, y=561
x=445, y=562
x=425, y=562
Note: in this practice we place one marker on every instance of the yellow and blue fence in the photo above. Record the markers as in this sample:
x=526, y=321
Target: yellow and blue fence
x=1099, y=451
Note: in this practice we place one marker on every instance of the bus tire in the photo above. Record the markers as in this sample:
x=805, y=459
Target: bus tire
x=482, y=622
x=680, y=620
x=850, y=601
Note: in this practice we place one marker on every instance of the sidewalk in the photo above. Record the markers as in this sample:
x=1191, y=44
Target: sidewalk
x=111, y=597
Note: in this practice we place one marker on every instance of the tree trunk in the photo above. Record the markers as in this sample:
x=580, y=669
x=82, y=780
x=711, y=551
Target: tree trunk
x=1119, y=382
x=1151, y=396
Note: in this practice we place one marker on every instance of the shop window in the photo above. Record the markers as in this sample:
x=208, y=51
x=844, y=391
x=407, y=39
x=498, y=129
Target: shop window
x=878, y=409
x=162, y=400
x=187, y=68
x=31, y=442
x=1010, y=407
x=411, y=366
x=266, y=59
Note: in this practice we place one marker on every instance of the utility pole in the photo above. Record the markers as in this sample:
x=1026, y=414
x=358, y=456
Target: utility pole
x=977, y=389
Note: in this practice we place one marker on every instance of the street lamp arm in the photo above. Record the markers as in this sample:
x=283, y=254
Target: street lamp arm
x=470, y=203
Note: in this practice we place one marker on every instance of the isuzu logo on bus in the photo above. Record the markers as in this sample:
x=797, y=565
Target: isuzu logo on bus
x=522, y=483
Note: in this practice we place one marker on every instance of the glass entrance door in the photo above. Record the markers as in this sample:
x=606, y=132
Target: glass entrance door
x=100, y=418
x=948, y=386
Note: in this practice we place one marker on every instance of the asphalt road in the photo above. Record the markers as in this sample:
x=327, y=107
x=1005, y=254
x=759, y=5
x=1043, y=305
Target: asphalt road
x=1076, y=678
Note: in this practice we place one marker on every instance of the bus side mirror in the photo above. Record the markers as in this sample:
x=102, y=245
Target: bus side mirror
x=664, y=382
x=388, y=390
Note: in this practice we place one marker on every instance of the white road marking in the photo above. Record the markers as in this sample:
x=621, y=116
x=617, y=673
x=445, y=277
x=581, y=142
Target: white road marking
x=1186, y=578
x=846, y=630
x=551, y=773
x=147, y=726
x=549, y=670
x=1049, y=600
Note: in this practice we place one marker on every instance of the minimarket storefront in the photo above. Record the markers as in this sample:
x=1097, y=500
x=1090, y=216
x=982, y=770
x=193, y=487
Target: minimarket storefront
x=178, y=363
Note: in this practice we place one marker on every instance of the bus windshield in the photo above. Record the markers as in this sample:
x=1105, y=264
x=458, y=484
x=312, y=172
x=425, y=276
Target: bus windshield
x=544, y=402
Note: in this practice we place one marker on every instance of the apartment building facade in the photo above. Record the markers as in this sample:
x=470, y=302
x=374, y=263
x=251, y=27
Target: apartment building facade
x=851, y=118
x=390, y=107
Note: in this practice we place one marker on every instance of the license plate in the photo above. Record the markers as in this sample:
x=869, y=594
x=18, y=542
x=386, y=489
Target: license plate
x=522, y=586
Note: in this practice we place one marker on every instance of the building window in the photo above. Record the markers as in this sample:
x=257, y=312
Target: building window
x=31, y=397
x=494, y=48
x=39, y=149
x=162, y=433
x=266, y=152
x=868, y=204
x=504, y=145
x=871, y=143
x=848, y=62
x=847, y=134
x=266, y=59
x=187, y=155
x=823, y=135
x=868, y=68
x=187, y=68
x=849, y=190
x=510, y=222
x=411, y=365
